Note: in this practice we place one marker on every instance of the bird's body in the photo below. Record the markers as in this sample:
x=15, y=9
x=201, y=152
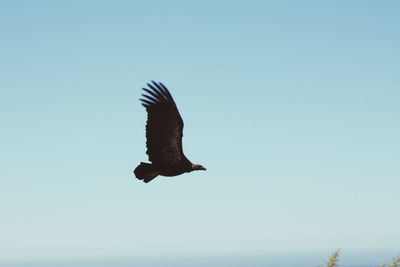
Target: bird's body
x=175, y=169
x=164, y=132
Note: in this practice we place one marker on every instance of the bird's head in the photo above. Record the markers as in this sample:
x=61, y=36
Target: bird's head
x=197, y=167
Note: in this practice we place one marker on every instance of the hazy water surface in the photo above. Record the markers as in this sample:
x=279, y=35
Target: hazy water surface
x=354, y=260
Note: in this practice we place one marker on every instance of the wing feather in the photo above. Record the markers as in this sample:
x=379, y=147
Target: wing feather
x=150, y=93
x=164, y=128
x=166, y=90
x=160, y=96
x=153, y=100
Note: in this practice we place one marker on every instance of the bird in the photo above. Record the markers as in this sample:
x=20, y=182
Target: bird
x=164, y=132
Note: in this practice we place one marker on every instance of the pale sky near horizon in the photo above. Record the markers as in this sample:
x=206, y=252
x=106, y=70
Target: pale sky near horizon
x=292, y=106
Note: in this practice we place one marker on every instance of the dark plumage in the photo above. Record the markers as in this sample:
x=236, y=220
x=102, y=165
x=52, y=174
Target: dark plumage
x=164, y=136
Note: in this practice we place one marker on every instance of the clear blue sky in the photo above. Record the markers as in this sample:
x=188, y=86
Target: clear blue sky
x=293, y=107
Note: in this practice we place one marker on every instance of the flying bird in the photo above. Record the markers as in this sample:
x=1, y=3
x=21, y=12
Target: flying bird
x=164, y=131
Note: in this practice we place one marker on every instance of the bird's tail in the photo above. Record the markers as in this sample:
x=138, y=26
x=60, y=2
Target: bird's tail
x=145, y=172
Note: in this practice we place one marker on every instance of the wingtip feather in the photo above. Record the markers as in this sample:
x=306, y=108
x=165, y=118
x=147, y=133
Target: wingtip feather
x=160, y=89
x=166, y=90
x=158, y=93
x=160, y=96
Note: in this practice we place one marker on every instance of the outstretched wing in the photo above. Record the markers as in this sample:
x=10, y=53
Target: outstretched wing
x=164, y=125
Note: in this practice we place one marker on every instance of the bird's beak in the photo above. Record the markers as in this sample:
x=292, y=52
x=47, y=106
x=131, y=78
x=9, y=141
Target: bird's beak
x=203, y=169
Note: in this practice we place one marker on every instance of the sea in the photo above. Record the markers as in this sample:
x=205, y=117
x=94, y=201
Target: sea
x=289, y=260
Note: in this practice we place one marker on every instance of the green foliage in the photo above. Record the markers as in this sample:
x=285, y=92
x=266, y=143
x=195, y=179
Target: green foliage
x=334, y=259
